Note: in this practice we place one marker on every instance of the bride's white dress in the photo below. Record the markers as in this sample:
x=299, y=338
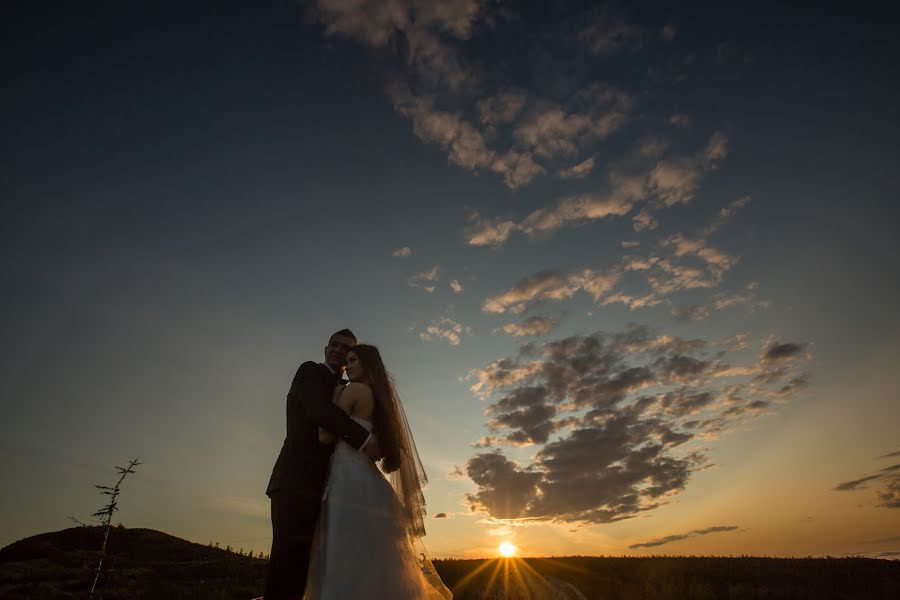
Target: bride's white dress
x=362, y=547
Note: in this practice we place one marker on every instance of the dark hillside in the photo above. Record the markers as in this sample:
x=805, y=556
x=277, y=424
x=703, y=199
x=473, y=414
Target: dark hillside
x=148, y=564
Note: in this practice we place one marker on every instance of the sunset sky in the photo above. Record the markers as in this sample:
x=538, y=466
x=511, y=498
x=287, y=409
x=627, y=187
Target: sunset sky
x=634, y=266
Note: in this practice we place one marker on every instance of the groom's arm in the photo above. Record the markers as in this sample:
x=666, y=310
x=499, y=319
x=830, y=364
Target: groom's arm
x=309, y=389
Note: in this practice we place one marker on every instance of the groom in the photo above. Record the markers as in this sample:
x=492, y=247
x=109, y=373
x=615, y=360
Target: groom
x=298, y=478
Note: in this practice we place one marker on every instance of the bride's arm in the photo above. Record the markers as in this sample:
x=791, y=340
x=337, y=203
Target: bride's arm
x=345, y=399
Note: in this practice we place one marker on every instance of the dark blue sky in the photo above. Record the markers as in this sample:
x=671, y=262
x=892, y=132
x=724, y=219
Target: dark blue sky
x=195, y=195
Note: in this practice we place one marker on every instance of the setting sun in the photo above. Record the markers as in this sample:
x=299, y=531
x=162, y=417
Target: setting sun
x=507, y=549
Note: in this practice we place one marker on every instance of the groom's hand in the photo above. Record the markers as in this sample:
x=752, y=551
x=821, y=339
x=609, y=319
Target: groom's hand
x=373, y=450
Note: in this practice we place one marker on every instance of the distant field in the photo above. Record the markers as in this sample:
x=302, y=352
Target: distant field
x=611, y=578
x=148, y=564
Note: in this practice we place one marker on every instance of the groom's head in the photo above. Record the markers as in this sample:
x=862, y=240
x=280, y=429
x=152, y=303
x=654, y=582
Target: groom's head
x=338, y=345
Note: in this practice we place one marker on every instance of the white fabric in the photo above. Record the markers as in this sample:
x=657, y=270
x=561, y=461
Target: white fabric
x=362, y=547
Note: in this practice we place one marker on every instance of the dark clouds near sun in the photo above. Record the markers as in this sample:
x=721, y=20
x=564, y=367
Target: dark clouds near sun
x=612, y=416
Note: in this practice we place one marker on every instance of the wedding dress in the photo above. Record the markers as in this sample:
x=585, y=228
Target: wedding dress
x=365, y=543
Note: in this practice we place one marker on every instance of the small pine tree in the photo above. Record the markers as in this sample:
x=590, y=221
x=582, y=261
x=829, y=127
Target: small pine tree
x=105, y=514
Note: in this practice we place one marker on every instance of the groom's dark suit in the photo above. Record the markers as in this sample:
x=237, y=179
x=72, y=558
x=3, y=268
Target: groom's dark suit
x=298, y=478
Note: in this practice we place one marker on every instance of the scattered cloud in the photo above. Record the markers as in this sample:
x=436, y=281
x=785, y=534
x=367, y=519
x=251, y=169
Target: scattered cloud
x=609, y=33
x=677, y=263
x=551, y=285
x=447, y=329
x=671, y=181
x=683, y=536
x=425, y=279
x=532, y=326
x=888, y=478
x=694, y=312
x=676, y=180
x=441, y=515
x=456, y=286
x=578, y=171
x=402, y=252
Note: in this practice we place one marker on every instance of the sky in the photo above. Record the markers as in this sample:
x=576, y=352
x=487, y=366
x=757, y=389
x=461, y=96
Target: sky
x=633, y=265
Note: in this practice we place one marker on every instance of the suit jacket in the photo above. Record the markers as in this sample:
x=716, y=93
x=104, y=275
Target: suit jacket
x=303, y=462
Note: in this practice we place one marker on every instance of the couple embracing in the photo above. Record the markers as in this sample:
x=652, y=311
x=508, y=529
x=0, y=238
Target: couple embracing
x=341, y=527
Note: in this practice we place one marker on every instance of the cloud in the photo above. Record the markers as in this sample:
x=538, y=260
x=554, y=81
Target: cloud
x=376, y=23
x=747, y=297
x=683, y=536
x=441, y=515
x=447, y=329
x=402, y=252
x=888, y=493
x=578, y=171
x=554, y=130
x=680, y=120
x=464, y=144
x=531, y=326
x=610, y=33
x=566, y=211
x=780, y=351
x=504, y=489
x=424, y=278
x=456, y=286
x=675, y=181
x=502, y=108
x=487, y=232
x=611, y=415
x=551, y=285
x=670, y=181
x=694, y=312
x=678, y=262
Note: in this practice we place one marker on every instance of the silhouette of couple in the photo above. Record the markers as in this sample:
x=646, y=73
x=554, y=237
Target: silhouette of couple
x=341, y=527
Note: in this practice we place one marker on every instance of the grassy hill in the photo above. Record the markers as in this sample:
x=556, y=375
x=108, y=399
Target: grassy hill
x=140, y=563
x=144, y=563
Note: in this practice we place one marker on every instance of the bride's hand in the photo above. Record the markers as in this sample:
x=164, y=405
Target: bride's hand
x=373, y=450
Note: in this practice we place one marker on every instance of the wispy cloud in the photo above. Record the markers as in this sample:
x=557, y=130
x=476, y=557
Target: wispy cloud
x=532, y=326
x=402, y=252
x=694, y=312
x=425, y=279
x=578, y=171
x=669, y=182
x=678, y=262
x=456, y=286
x=609, y=33
x=888, y=478
x=447, y=329
x=683, y=536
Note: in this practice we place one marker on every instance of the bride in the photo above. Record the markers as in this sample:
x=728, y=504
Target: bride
x=365, y=544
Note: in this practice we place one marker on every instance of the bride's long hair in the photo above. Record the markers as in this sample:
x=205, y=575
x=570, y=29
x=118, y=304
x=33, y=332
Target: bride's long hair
x=386, y=420
x=401, y=459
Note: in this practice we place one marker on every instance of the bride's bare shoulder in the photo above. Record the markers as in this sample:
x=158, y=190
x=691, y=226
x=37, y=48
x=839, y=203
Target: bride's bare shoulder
x=358, y=397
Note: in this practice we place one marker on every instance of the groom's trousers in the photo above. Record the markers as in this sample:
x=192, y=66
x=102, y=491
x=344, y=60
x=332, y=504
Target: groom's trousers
x=294, y=516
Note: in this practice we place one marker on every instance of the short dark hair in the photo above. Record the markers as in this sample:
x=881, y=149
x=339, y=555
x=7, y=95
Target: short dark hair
x=343, y=332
